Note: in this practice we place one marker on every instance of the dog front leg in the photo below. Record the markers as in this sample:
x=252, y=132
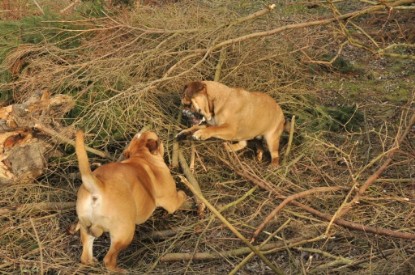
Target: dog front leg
x=182, y=134
x=173, y=202
x=225, y=132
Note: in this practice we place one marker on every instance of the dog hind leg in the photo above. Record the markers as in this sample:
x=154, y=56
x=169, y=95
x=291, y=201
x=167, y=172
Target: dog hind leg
x=87, y=240
x=273, y=143
x=121, y=237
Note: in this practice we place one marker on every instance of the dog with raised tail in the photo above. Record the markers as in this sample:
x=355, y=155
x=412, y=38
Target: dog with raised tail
x=117, y=196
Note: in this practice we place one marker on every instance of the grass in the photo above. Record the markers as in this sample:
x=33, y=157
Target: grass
x=127, y=70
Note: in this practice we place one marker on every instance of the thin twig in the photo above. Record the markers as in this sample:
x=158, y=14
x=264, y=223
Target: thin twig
x=308, y=24
x=39, y=7
x=198, y=194
x=265, y=249
x=39, y=245
x=261, y=246
x=40, y=206
x=351, y=225
x=69, y=6
x=370, y=180
x=290, y=140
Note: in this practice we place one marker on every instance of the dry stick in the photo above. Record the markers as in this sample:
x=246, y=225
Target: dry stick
x=366, y=258
x=198, y=194
x=192, y=157
x=338, y=260
x=206, y=52
x=175, y=153
x=290, y=140
x=356, y=226
x=186, y=171
x=247, y=258
x=64, y=139
x=370, y=180
x=39, y=245
x=39, y=7
x=265, y=249
x=268, y=9
x=70, y=6
x=288, y=200
x=308, y=24
x=41, y=206
x=171, y=257
x=351, y=225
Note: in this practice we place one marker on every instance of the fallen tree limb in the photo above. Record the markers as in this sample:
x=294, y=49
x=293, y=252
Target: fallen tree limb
x=310, y=24
x=288, y=200
x=261, y=246
x=351, y=225
x=356, y=226
x=265, y=249
x=198, y=194
x=218, y=46
x=372, y=178
x=66, y=140
x=188, y=174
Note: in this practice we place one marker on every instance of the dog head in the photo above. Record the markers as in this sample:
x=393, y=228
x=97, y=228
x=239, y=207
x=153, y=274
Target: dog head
x=196, y=97
x=142, y=143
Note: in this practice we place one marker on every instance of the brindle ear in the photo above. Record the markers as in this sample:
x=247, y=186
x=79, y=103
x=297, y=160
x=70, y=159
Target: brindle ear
x=193, y=88
x=152, y=145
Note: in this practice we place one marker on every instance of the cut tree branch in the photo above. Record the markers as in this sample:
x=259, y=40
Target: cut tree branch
x=351, y=225
x=199, y=195
x=66, y=140
x=370, y=180
x=288, y=200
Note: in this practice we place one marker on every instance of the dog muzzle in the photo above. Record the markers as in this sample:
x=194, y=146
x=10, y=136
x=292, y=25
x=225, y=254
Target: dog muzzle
x=194, y=117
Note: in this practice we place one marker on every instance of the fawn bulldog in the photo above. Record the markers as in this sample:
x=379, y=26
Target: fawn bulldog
x=233, y=114
x=117, y=196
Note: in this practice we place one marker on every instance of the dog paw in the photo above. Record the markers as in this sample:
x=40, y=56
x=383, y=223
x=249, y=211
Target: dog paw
x=182, y=135
x=275, y=163
x=200, y=135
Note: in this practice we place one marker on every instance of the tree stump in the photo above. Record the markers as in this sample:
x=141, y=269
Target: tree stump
x=23, y=150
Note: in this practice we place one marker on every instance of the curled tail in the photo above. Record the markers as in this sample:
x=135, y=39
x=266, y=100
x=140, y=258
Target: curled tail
x=90, y=182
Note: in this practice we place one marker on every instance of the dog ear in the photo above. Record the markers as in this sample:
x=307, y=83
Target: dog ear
x=193, y=88
x=152, y=145
x=126, y=154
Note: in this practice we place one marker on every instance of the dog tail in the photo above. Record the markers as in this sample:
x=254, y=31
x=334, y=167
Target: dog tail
x=90, y=182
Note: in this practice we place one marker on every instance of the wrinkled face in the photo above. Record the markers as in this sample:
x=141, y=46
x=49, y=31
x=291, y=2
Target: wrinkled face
x=147, y=141
x=195, y=97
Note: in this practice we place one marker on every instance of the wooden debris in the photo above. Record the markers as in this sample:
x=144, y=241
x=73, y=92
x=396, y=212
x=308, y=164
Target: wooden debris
x=23, y=151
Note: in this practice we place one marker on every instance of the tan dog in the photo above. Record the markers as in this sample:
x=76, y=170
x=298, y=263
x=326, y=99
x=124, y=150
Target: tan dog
x=117, y=196
x=234, y=114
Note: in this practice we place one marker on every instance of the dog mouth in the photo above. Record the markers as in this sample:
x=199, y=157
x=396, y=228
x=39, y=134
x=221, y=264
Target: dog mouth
x=195, y=118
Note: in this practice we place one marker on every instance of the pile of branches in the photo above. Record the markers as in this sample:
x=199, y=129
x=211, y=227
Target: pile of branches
x=342, y=199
